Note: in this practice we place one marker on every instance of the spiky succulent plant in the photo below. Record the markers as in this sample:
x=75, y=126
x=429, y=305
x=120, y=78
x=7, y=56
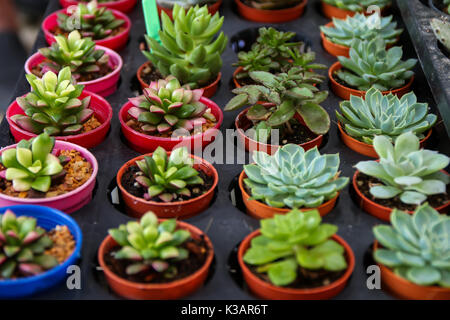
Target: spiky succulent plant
x=151, y=246
x=22, y=246
x=75, y=52
x=93, y=21
x=405, y=171
x=189, y=49
x=168, y=176
x=386, y=115
x=372, y=65
x=362, y=27
x=31, y=165
x=294, y=178
x=186, y=4
x=166, y=106
x=441, y=29
x=53, y=106
x=292, y=241
x=417, y=246
x=292, y=92
x=357, y=5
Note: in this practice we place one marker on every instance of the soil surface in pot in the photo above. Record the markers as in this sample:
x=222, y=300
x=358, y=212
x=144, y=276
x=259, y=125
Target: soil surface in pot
x=365, y=182
x=76, y=172
x=58, y=31
x=198, y=251
x=130, y=184
x=272, y=5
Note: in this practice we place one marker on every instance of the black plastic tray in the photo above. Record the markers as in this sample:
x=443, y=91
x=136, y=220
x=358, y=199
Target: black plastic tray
x=225, y=224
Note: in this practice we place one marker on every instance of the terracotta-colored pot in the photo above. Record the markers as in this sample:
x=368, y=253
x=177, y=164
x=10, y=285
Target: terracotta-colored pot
x=120, y=5
x=235, y=73
x=213, y=8
x=144, y=143
x=379, y=211
x=102, y=111
x=260, y=210
x=331, y=12
x=405, y=289
x=158, y=291
x=345, y=92
x=270, y=16
x=116, y=42
x=104, y=86
x=242, y=124
x=137, y=207
x=208, y=91
x=365, y=148
x=70, y=201
x=267, y=290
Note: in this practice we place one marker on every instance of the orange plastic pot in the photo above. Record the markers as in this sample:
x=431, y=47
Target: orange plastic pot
x=365, y=148
x=235, y=73
x=270, y=16
x=405, y=289
x=345, y=92
x=160, y=291
x=213, y=8
x=259, y=210
x=208, y=91
x=266, y=290
x=379, y=211
x=137, y=207
x=331, y=12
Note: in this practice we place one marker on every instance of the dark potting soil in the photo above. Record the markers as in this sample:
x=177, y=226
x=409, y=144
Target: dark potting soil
x=285, y=5
x=128, y=182
x=364, y=183
x=198, y=251
x=246, y=81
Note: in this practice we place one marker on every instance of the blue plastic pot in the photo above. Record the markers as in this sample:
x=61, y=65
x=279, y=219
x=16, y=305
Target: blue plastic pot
x=48, y=219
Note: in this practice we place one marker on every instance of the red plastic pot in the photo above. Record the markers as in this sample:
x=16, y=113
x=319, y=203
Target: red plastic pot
x=120, y=5
x=379, y=211
x=144, y=143
x=345, y=92
x=69, y=202
x=137, y=207
x=213, y=8
x=116, y=42
x=104, y=86
x=242, y=124
x=266, y=290
x=158, y=291
x=405, y=289
x=270, y=16
x=102, y=110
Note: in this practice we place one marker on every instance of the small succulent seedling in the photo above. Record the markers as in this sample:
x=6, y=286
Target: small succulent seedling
x=22, y=246
x=292, y=241
x=417, y=246
x=358, y=5
x=151, y=246
x=405, y=170
x=441, y=29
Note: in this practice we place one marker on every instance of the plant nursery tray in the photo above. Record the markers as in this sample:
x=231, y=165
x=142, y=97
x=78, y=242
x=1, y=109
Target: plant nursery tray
x=226, y=224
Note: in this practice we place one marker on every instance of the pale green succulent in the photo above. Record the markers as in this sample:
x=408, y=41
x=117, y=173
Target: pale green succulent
x=441, y=29
x=405, y=171
x=186, y=4
x=357, y=5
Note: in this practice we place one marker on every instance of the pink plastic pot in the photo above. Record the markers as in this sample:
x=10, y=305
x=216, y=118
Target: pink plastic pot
x=143, y=143
x=115, y=43
x=104, y=86
x=120, y=5
x=102, y=110
x=69, y=202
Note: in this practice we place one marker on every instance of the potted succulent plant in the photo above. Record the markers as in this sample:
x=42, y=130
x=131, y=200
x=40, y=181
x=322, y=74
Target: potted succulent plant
x=120, y=5
x=361, y=119
x=293, y=109
x=97, y=68
x=413, y=254
x=441, y=29
x=170, y=115
x=337, y=36
x=341, y=9
x=192, y=56
x=167, y=5
x=371, y=65
x=291, y=178
x=403, y=177
x=60, y=108
x=37, y=246
x=171, y=184
x=108, y=28
x=155, y=259
x=271, y=11
x=296, y=257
